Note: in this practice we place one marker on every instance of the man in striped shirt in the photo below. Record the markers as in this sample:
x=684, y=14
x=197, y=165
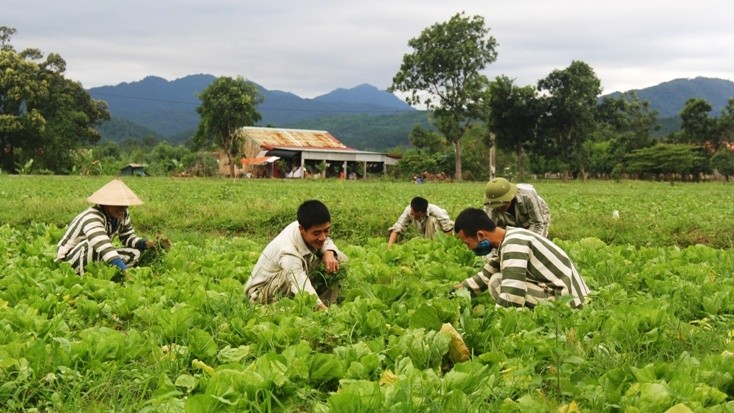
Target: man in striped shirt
x=90, y=234
x=429, y=220
x=527, y=269
x=291, y=262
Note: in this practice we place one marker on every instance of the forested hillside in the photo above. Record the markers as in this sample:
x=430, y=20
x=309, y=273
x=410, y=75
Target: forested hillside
x=669, y=98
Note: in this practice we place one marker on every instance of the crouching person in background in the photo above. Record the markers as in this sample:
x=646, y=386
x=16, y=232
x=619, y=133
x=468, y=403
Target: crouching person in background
x=527, y=269
x=89, y=236
x=290, y=262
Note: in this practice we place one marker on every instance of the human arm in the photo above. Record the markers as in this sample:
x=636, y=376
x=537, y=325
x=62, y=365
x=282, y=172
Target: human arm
x=533, y=206
x=127, y=234
x=399, y=226
x=294, y=268
x=480, y=282
x=393, y=238
x=447, y=225
x=331, y=256
x=100, y=242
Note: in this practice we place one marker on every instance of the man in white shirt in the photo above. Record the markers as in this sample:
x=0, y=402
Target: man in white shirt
x=290, y=263
x=429, y=219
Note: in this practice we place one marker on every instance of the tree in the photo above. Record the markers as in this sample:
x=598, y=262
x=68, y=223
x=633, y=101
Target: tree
x=43, y=115
x=625, y=123
x=696, y=126
x=442, y=73
x=725, y=125
x=570, y=110
x=512, y=114
x=227, y=104
x=668, y=160
x=723, y=162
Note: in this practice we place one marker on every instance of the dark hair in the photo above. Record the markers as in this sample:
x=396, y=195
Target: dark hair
x=472, y=220
x=312, y=213
x=419, y=204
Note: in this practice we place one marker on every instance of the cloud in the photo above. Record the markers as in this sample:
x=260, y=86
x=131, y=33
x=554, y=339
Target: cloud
x=311, y=48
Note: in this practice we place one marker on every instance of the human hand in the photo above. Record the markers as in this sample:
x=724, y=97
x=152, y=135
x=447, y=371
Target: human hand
x=331, y=264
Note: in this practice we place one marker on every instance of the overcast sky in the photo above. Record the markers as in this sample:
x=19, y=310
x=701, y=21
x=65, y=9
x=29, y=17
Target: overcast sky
x=313, y=47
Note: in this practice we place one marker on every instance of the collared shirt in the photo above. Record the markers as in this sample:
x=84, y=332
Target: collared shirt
x=432, y=211
x=528, y=211
x=99, y=230
x=526, y=257
x=289, y=253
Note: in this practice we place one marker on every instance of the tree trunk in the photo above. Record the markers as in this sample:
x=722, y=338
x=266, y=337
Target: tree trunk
x=457, y=160
x=520, y=163
x=231, y=165
x=492, y=155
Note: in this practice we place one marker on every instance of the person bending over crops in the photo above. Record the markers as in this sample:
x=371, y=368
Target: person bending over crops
x=527, y=269
x=429, y=219
x=291, y=262
x=89, y=236
x=510, y=205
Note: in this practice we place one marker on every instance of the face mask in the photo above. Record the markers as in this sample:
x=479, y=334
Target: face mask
x=483, y=248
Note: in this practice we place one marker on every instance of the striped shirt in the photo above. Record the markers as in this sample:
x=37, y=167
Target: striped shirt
x=99, y=230
x=526, y=257
x=528, y=211
x=440, y=214
x=288, y=254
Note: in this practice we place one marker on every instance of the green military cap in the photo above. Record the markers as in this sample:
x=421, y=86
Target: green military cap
x=498, y=191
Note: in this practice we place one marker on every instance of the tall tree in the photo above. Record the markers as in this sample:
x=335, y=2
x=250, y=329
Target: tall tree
x=512, y=113
x=571, y=106
x=725, y=125
x=43, y=115
x=626, y=123
x=442, y=73
x=227, y=104
x=696, y=125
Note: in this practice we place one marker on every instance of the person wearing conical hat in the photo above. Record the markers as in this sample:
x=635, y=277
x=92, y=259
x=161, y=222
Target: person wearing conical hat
x=511, y=205
x=89, y=236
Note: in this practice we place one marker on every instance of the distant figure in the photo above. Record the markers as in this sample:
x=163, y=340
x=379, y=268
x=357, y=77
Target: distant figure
x=429, y=219
x=89, y=236
x=290, y=263
x=510, y=205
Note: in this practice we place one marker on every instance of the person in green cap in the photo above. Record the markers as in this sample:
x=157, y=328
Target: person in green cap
x=89, y=235
x=511, y=205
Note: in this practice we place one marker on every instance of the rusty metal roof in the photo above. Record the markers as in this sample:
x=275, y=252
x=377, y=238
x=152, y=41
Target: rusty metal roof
x=295, y=138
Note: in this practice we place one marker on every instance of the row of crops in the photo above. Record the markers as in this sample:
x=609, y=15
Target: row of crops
x=179, y=335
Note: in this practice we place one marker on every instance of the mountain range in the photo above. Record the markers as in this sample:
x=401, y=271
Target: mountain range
x=362, y=117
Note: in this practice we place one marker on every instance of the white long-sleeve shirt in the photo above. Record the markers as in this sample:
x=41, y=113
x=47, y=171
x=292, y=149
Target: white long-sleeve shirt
x=289, y=254
x=440, y=214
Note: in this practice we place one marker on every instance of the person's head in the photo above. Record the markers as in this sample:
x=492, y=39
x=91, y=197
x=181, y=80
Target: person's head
x=499, y=193
x=114, y=198
x=476, y=230
x=418, y=207
x=314, y=223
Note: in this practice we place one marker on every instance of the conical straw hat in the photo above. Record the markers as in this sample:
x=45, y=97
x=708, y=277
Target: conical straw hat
x=115, y=193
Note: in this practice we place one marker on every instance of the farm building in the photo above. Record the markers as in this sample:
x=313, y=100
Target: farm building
x=297, y=153
x=133, y=169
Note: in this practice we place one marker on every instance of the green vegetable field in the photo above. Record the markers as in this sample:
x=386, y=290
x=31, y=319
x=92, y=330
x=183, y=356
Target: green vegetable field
x=179, y=336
